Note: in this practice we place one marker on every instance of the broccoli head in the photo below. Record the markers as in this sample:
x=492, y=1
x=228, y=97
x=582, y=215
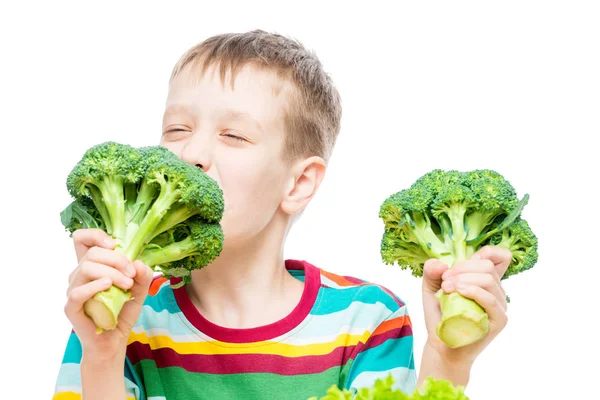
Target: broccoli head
x=158, y=208
x=449, y=215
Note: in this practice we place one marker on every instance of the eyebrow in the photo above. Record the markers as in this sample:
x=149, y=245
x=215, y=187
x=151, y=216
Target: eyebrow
x=237, y=115
x=177, y=108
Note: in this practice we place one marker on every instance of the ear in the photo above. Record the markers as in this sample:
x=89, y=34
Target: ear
x=304, y=181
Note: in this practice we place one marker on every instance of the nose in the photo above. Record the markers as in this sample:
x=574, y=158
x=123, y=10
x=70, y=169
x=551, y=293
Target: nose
x=198, y=151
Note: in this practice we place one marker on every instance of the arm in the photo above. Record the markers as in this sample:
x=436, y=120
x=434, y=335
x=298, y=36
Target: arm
x=477, y=279
x=432, y=364
x=94, y=364
x=90, y=378
x=387, y=351
x=103, y=380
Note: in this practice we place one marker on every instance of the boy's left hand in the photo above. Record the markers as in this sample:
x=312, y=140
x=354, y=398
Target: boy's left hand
x=477, y=278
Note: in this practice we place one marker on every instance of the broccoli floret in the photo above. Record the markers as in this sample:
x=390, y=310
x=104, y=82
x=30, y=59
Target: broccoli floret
x=522, y=243
x=137, y=194
x=157, y=207
x=496, y=198
x=101, y=175
x=187, y=246
x=449, y=215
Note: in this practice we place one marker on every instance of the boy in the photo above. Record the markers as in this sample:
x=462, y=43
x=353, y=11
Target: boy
x=257, y=113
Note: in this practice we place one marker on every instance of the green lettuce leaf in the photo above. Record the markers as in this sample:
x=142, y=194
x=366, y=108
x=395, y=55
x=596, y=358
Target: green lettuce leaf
x=432, y=389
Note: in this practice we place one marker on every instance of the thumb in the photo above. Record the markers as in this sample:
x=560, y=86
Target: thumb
x=432, y=275
x=142, y=280
x=141, y=285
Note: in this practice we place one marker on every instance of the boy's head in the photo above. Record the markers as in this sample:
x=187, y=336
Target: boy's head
x=257, y=112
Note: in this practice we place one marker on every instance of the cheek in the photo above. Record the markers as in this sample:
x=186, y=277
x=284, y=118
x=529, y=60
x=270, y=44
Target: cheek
x=252, y=193
x=175, y=147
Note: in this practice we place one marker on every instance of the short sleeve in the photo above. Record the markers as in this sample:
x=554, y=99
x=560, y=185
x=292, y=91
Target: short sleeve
x=68, y=383
x=387, y=351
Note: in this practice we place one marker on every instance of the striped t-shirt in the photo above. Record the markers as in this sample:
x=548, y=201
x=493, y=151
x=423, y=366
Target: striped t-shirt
x=344, y=332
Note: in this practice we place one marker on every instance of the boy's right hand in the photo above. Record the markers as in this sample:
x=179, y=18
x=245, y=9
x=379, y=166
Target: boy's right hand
x=99, y=267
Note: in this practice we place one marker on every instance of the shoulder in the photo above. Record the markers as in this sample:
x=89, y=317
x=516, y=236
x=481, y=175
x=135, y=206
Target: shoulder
x=160, y=299
x=379, y=322
x=340, y=286
x=159, y=284
x=359, y=303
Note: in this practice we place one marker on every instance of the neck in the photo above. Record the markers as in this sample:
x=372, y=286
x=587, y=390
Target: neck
x=247, y=285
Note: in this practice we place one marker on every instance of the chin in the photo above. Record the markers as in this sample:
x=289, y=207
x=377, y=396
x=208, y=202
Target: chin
x=235, y=234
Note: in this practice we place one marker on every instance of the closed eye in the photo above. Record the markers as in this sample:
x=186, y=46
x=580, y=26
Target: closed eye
x=177, y=128
x=176, y=133
x=234, y=137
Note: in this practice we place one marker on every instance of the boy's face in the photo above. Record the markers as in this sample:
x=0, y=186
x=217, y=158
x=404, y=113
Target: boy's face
x=236, y=137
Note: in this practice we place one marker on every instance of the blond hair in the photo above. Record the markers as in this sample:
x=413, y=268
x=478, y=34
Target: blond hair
x=313, y=113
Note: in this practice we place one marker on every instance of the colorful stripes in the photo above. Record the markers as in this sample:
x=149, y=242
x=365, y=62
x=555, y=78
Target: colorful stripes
x=74, y=396
x=344, y=332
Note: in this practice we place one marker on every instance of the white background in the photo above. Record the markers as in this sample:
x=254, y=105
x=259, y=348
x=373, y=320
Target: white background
x=512, y=85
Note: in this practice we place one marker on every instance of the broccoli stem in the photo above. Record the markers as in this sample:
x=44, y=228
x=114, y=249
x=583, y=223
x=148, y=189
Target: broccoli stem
x=168, y=195
x=456, y=213
x=145, y=196
x=463, y=320
x=130, y=201
x=176, y=215
x=96, y=196
x=428, y=240
x=173, y=252
x=445, y=225
x=114, y=199
x=105, y=306
x=477, y=221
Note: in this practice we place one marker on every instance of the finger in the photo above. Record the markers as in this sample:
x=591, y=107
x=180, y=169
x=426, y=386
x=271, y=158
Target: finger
x=501, y=257
x=139, y=291
x=91, y=271
x=143, y=278
x=486, y=300
x=144, y=273
x=111, y=258
x=432, y=275
x=483, y=266
x=484, y=281
x=84, y=239
x=79, y=295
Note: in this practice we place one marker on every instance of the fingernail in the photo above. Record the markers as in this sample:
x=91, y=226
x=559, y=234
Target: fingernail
x=476, y=257
x=105, y=282
x=448, y=285
x=127, y=282
x=446, y=275
x=460, y=286
x=130, y=270
x=109, y=243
